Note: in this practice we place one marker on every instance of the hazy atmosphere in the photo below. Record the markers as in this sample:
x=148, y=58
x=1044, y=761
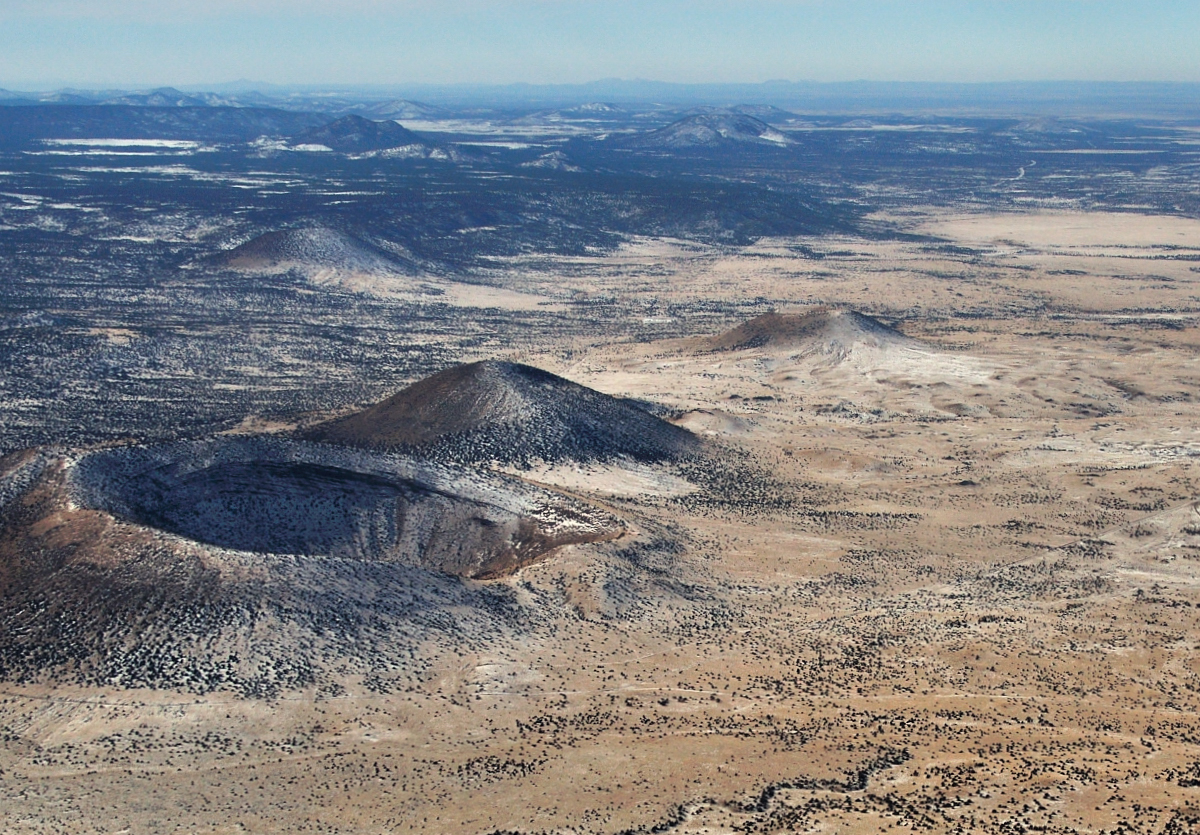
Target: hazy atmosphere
x=137, y=42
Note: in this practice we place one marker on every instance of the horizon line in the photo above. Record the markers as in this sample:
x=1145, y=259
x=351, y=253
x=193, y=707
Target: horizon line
x=62, y=85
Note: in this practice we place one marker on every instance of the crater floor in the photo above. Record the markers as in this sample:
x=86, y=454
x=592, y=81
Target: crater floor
x=275, y=496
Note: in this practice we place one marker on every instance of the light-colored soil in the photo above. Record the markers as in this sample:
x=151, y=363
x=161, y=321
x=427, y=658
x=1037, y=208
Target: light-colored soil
x=979, y=613
x=1070, y=230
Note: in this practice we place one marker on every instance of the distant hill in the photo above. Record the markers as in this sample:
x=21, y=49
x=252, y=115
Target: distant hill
x=10, y=97
x=822, y=330
x=22, y=125
x=162, y=97
x=66, y=97
x=556, y=160
x=315, y=250
x=851, y=352
x=765, y=112
x=400, y=109
x=355, y=135
x=512, y=413
x=1049, y=125
x=593, y=109
x=712, y=130
x=589, y=112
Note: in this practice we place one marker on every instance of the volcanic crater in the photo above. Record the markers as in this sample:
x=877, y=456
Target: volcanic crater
x=278, y=496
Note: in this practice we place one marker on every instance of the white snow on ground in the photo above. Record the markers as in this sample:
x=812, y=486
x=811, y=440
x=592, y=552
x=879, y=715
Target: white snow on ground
x=185, y=144
x=625, y=478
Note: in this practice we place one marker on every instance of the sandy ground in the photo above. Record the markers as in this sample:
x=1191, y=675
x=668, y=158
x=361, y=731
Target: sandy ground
x=979, y=612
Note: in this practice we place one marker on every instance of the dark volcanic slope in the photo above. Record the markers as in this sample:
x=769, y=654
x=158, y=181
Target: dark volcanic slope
x=713, y=130
x=315, y=247
x=356, y=135
x=813, y=330
x=259, y=565
x=501, y=411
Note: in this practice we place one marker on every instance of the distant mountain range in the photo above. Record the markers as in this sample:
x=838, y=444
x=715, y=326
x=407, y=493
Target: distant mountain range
x=160, y=97
x=1057, y=98
x=21, y=125
x=211, y=123
x=1060, y=98
x=171, y=97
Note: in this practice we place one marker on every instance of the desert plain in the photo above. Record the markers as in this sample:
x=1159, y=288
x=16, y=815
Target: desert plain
x=949, y=580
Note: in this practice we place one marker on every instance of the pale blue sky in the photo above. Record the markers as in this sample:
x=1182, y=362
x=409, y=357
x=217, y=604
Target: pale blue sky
x=47, y=43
